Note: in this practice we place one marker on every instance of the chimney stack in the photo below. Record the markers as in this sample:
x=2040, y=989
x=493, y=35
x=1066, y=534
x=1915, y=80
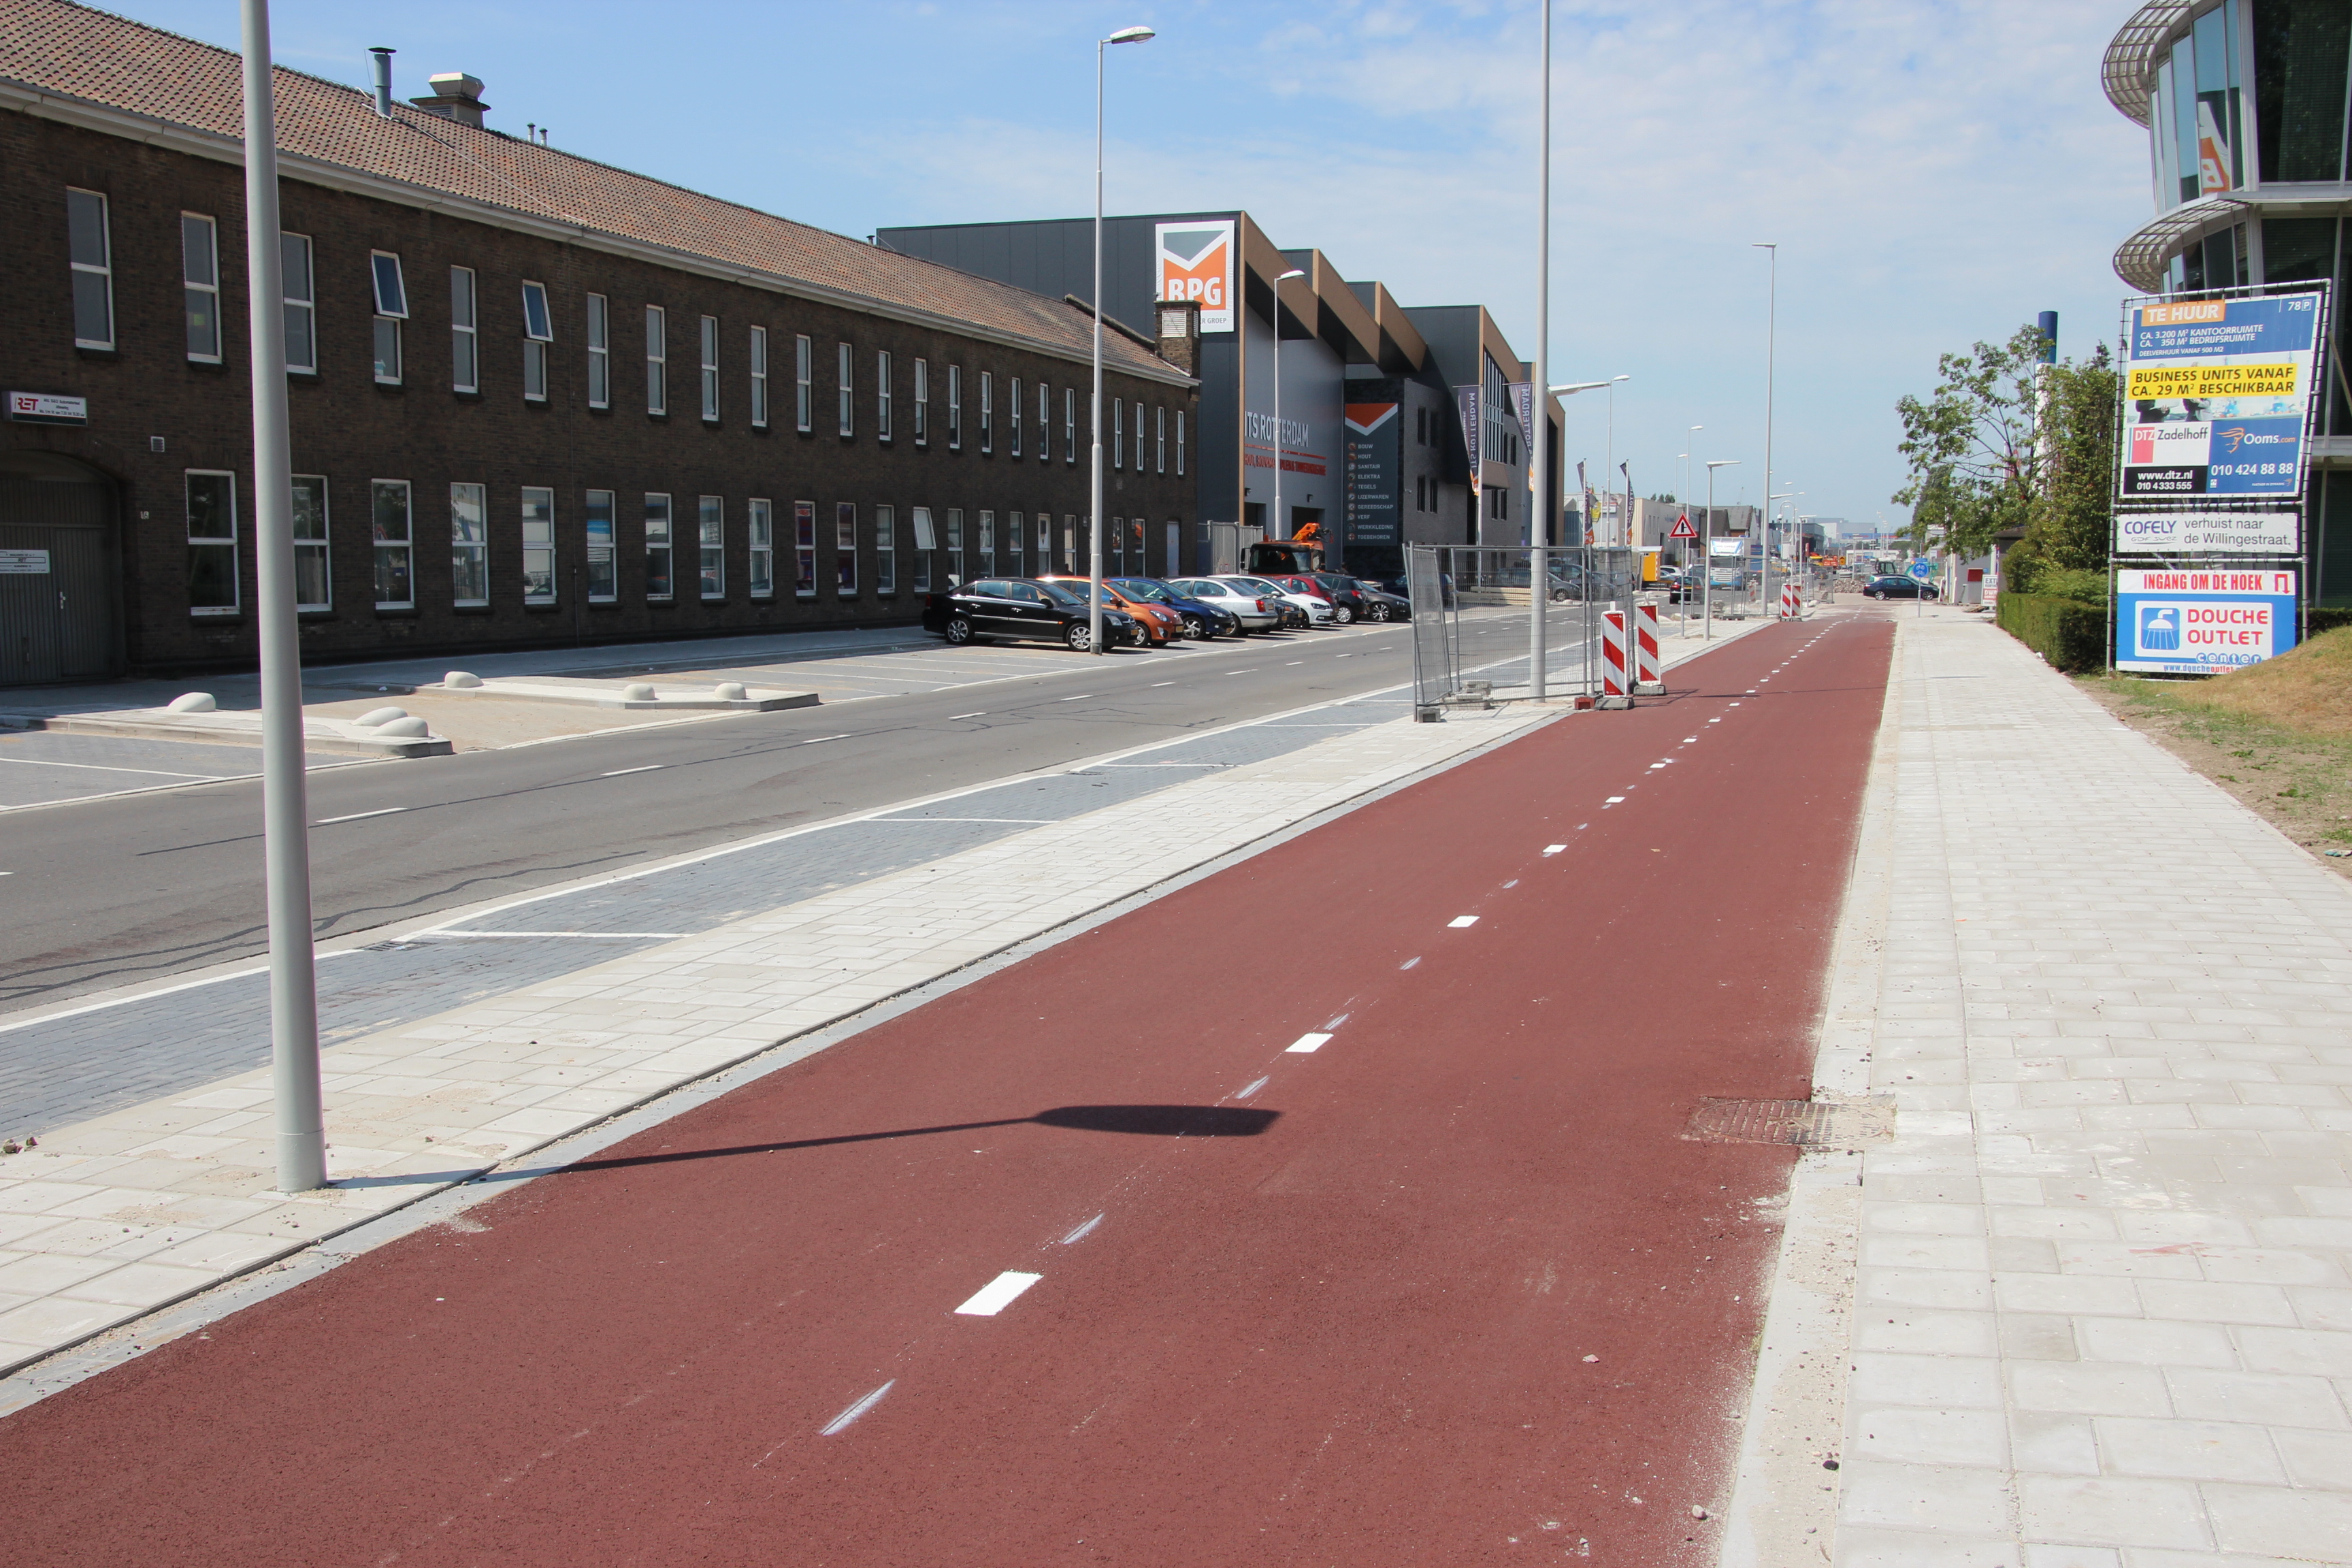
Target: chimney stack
x=383, y=80
x=1180, y=334
x=455, y=96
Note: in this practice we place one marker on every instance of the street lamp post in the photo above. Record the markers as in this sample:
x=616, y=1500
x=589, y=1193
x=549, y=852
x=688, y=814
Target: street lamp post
x=1095, y=543
x=1539, y=460
x=1281, y=529
x=1707, y=555
x=1772, y=320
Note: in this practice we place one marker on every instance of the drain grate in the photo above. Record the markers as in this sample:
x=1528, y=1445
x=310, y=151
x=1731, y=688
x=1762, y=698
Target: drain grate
x=1807, y=1124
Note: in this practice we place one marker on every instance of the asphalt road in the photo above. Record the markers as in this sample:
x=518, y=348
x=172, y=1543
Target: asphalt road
x=1331, y=1209
x=104, y=893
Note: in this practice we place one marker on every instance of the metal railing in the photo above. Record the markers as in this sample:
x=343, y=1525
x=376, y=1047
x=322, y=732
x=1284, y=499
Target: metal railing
x=1445, y=582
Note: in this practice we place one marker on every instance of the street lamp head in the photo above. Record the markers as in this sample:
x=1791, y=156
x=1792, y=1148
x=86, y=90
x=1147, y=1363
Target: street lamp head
x=1286, y=277
x=1580, y=387
x=1130, y=35
x=1615, y=378
x=1725, y=463
x=1763, y=245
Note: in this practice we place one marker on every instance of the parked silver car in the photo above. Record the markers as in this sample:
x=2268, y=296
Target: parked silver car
x=1320, y=612
x=1255, y=608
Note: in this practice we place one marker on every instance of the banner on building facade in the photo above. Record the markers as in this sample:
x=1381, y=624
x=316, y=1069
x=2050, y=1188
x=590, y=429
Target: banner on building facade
x=2214, y=532
x=1523, y=398
x=1375, y=458
x=2217, y=396
x=2202, y=622
x=1196, y=262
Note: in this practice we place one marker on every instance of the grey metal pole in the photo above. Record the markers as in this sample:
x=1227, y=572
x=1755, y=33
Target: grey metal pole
x=285, y=807
x=1539, y=526
x=1771, y=321
x=1277, y=531
x=1094, y=546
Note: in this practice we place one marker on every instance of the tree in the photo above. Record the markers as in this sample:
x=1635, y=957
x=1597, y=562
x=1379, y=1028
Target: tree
x=1975, y=467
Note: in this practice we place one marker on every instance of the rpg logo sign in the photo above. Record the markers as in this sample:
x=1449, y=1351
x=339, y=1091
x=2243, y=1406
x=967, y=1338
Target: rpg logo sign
x=1196, y=262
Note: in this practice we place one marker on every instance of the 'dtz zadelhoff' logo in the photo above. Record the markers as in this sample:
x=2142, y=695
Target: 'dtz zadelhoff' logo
x=1196, y=262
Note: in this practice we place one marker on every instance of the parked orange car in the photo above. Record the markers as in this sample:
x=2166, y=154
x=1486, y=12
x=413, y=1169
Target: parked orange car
x=1162, y=625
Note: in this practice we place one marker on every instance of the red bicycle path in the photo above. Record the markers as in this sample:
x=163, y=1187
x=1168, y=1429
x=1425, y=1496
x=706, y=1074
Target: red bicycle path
x=1449, y=1289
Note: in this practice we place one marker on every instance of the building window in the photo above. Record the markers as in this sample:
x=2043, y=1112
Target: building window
x=922, y=403
x=300, y=294
x=846, y=389
x=987, y=543
x=200, y=278
x=759, y=378
x=955, y=408
x=804, y=545
x=604, y=561
x=538, y=545
x=1138, y=438
x=212, y=544
x=90, y=248
x=1014, y=530
x=1044, y=540
x=658, y=585
x=599, y=352
x=987, y=411
x=1180, y=443
x=761, y=527
x=1013, y=407
x=538, y=332
x=1117, y=433
x=1114, y=543
x=1070, y=425
x=1045, y=423
x=925, y=544
x=469, y=544
x=1159, y=440
x=391, y=310
x=882, y=395
x=390, y=526
x=314, y=587
x=844, y=548
x=885, y=550
x=710, y=369
x=955, y=547
x=657, y=360
x=710, y=539
x=465, y=335
x=803, y=377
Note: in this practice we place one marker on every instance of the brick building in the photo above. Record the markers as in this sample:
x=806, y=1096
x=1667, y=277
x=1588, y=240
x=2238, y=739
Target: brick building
x=535, y=399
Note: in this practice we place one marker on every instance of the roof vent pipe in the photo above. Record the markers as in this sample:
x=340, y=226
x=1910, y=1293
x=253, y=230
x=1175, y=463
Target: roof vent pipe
x=382, y=80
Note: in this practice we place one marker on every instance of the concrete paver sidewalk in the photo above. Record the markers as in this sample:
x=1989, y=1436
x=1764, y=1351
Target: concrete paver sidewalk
x=2102, y=1313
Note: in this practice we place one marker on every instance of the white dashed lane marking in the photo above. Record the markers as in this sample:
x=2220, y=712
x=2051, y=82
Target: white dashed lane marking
x=1458, y=921
x=1087, y=1229
x=1554, y=848
x=856, y=1410
x=998, y=1294
x=1308, y=1044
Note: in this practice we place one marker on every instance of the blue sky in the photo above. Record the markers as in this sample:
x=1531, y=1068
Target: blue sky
x=1934, y=173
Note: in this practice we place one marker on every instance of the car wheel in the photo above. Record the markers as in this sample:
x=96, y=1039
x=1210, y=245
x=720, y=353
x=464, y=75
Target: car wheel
x=1344, y=615
x=1078, y=637
x=1560, y=596
x=1196, y=629
x=960, y=632
x=1377, y=613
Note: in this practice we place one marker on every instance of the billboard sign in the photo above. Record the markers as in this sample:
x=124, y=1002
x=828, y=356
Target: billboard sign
x=1196, y=262
x=1375, y=456
x=2191, y=532
x=2217, y=396
x=2202, y=623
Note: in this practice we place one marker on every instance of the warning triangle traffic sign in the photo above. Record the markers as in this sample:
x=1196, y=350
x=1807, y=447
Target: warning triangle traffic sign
x=1683, y=529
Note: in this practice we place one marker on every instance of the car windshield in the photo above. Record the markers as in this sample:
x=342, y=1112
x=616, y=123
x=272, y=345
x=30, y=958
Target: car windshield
x=1135, y=588
x=1058, y=594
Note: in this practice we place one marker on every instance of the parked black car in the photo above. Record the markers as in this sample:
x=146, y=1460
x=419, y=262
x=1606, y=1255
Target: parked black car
x=1346, y=595
x=1380, y=605
x=1898, y=588
x=1022, y=607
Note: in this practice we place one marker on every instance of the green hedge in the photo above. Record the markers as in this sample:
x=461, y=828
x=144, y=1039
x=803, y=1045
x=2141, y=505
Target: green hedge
x=2317, y=620
x=2071, y=635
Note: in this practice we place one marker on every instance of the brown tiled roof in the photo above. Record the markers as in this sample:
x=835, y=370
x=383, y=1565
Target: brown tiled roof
x=76, y=52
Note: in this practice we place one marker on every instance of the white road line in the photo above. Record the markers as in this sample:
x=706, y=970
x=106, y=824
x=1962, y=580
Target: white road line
x=383, y=811
x=1307, y=1045
x=1081, y=697
x=1031, y=821
x=1554, y=848
x=998, y=1294
x=576, y=935
x=1458, y=921
x=1615, y=800
x=1083, y=1232
x=1512, y=883
x=856, y=1410
x=1156, y=684
x=647, y=768
x=101, y=768
x=822, y=738
x=1688, y=739
x=1409, y=963
x=983, y=712
x=1253, y=1087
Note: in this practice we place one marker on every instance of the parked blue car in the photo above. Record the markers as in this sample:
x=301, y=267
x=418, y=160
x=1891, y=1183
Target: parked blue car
x=1202, y=620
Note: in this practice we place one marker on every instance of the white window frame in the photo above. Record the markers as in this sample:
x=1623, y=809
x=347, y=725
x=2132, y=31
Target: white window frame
x=656, y=361
x=710, y=369
x=465, y=330
x=1139, y=436
x=882, y=390
x=845, y=550
x=602, y=506
x=298, y=290
x=886, y=552
x=661, y=534
x=469, y=543
x=955, y=547
x=844, y=375
x=1045, y=423
x=1016, y=528
x=204, y=258
x=985, y=543
x=537, y=543
x=215, y=541
x=710, y=548
x=600, y=351
x=804, y=547
x=1012, y=405
x=987, y=412
x=922, y=403
x=103, y=268
x=758, y=352
x=760, y=532
x=955, y=408
x=312, y=546
x=1180, y=443
x=534, y=346
x=391, y=288
x=1070, y=425
x=382, y=549
x=1119, y=433
x=1160, y=439
x=927, y=544
x=804, y=382
x=1044, y=539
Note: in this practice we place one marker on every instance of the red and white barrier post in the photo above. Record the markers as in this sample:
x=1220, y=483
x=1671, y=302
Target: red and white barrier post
x=1616, y=689
x=1649, y=679
x=1792, y=603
